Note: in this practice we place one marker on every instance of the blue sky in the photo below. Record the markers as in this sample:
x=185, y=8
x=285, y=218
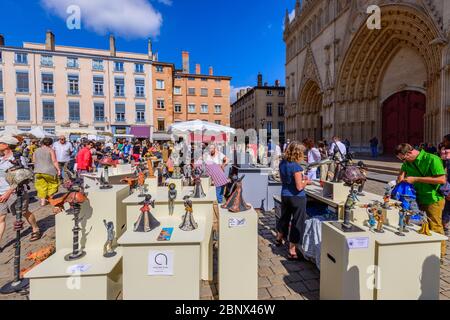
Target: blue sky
x=237, y=38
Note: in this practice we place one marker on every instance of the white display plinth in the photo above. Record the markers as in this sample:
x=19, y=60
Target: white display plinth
x=238, y=255
x=151, y=185
x=101, y=204
x=202, y=208
x=335, y=191
x=52, y=279
x=388, y=267
x=184, y=284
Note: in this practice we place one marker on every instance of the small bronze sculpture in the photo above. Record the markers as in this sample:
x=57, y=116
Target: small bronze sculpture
x=141, y=184
x=401, y=223
x=188, y=223
x=236, y=201
x=198, y=188
x=172, y=196
x=146, y=221
x=108, y=251
x=106, y=163
x=379, y=217
x=425, y=229
x=187, y=172
x=372, y=222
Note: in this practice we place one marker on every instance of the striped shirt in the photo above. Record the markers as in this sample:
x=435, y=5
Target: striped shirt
x=217, y=175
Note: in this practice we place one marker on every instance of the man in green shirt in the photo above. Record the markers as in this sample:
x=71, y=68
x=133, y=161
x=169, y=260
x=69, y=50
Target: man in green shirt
x=426, y=172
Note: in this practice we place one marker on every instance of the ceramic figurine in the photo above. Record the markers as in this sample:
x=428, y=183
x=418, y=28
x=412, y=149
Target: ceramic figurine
x=363, y=168
x=425, y=229
x=172, y=196
x=236, y=201
x=141, y=184
x=408, y=219
x=198, y=188
x=188, y=223
x=372, y=222
x=177, y=173
x=379, y=217
x=401, y=223
x=146, y=222
x=187, y=172
x=106, y=162
x=151, y=172
x=108, y=251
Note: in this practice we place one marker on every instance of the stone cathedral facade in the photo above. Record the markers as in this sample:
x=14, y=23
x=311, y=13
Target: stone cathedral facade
x=346, y=79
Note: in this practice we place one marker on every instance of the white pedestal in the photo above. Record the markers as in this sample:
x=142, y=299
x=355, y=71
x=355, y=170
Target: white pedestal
x=152, y=185
x=390, y=267
x=238, y=256
x=184, y=284
x=52, y=279
x=335, y=191
x=202, y=208
x=101, y=204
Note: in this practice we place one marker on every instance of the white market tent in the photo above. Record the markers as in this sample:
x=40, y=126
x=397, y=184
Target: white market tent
x=199, y=126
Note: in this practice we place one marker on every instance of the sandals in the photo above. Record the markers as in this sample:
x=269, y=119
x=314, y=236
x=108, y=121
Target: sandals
x=35, y=236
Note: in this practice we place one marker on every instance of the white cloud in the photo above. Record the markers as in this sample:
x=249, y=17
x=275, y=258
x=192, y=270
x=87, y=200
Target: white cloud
x=234, y=91
x=126, y=18
x=292, y=15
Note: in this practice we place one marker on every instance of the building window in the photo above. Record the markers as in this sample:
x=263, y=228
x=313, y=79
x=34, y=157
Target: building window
x=97, y=65
x=23, y=110
x=281, y=127
x=139, y=68
x=217, y=122
x=269, y=110
x=177, y=108
x=74, y=86
x=204, y=92
x=204, y=108
x=204, y=79
x=191, y=78
x=140, y=113
x=72, y=63
x=99, y=112
x=98, y=86
x=217, y=80
x=281, y=109
x=159, y=69
x=74, y=111
x=2, y=110
x=47, y=61
x=218, y=92
x=120, y=87
x=26, y=129
x=1, y=80
x=120, y=112
x=118, y=66
x=22, y=82
x=191, y=91
x=140, y=87
x=160, y=104
x=160, y=85
x=21, y=58
x=177, y=90
x=269, y=93
x=48, y=111
x=101, y=129
x=47, y=83
x=161, y=125
x=269, y=126
x=191, y=108
x=281, y=93
x=217, y=108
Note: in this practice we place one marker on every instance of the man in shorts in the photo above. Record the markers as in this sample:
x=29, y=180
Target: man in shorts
x=8, y=195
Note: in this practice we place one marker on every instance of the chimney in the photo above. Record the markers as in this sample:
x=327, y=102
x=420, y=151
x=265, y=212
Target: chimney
x=260, y=80
x=2, y=40
x=50, y=41
x=155, y=56
x=198, y=69
x=211, y=71
x=185, y=56
x=150, y=49
x=112, y=45
x=277, y=83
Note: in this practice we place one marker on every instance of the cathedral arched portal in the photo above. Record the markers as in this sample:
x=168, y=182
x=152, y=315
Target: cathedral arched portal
x=369, y=75
x=309, y=110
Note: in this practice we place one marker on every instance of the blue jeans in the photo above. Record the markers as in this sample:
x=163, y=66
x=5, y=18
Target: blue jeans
x=374, y=152
x=219, y=194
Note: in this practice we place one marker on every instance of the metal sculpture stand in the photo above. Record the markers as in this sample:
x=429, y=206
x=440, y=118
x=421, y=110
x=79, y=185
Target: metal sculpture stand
x=77, y=253
x=18, y=284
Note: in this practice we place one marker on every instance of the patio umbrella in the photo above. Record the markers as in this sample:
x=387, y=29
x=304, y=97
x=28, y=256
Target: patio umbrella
x=199, y=126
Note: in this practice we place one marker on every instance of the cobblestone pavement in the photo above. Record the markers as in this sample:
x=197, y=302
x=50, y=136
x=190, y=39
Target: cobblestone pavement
x=279, y=279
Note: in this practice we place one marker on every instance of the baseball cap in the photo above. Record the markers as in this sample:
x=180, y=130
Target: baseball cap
x=9, y=140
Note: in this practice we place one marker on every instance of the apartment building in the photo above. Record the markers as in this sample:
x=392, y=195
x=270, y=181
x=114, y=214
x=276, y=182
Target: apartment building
x=60, y=87
x=260, y=107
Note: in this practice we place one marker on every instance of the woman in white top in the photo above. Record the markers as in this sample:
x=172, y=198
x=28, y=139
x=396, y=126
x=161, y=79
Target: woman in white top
x=313, y=157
